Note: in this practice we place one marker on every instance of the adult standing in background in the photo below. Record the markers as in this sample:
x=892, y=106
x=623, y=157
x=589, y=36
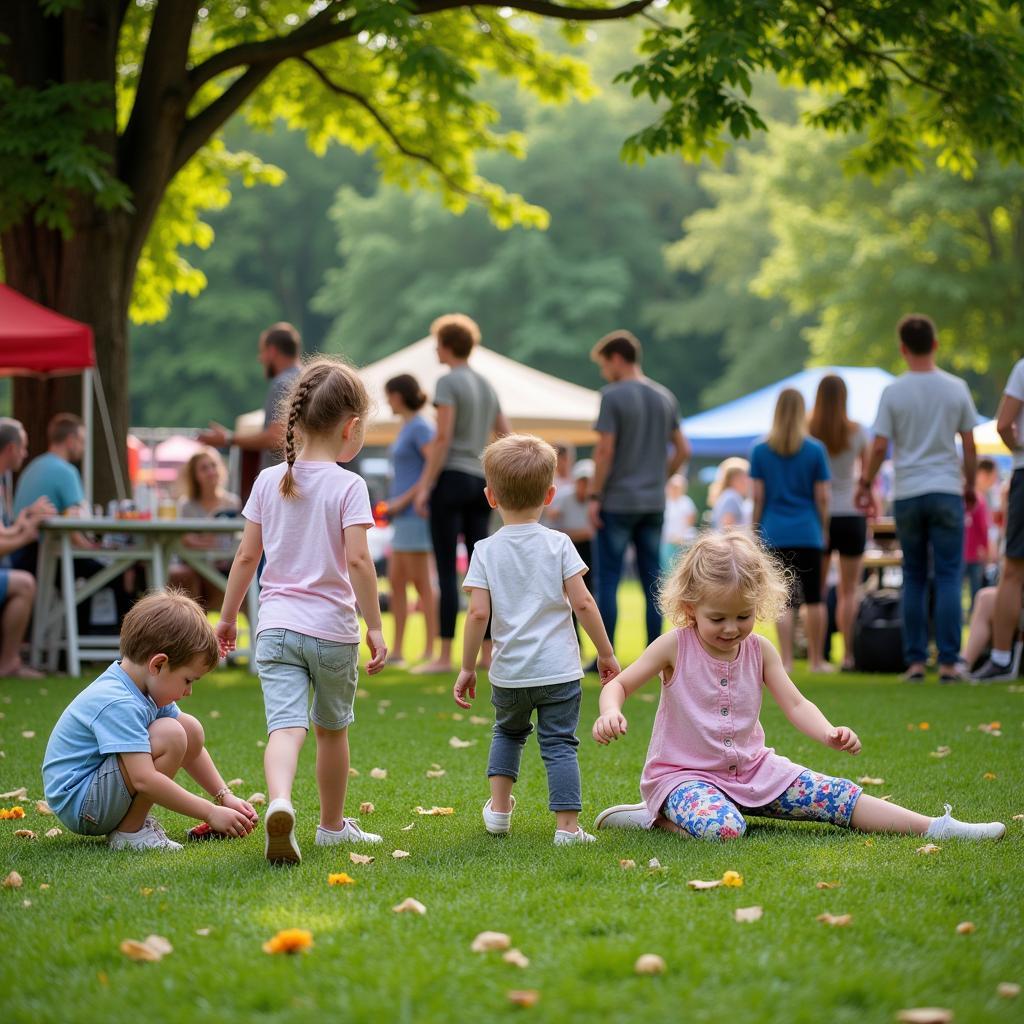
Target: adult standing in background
x=640, y=445
x=410, y=540
x=452, y=485
x=1010, y=424
x=791, y=507
x=921, y=413
x=280, y=347
x=847, y=533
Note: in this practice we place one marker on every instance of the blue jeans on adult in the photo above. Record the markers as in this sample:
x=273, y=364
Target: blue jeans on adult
x=643, y=530
x=931, y=524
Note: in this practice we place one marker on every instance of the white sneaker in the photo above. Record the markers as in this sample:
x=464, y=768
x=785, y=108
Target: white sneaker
x=351, y=833
x=497, y=823
x=279, y=827
x=624, y=816
x=947, y=827
x=573, y=838
x=147, y=838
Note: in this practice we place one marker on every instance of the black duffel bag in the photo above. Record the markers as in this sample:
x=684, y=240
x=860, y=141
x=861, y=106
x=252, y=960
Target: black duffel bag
x=878, y=633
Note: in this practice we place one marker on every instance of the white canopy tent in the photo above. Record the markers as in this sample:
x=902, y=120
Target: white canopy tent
x=535, y=402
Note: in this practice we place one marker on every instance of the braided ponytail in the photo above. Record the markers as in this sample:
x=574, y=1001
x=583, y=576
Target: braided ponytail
x=327, y=393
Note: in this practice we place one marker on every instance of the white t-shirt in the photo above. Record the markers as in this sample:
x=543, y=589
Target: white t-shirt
x=525, y=568
x=680, y=523
x=1015, y=389
x=305, y=585
x=921, y=412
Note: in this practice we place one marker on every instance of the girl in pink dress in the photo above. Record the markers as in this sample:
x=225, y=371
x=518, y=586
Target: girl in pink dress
x=707, y=764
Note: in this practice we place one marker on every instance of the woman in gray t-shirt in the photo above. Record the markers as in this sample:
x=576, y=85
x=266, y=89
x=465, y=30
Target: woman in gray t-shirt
x=844, y=442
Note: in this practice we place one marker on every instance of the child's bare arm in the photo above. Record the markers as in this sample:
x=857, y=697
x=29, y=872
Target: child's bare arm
x=477, y=616
x=585, y=607
x=243, y=568
x=364, y=582
x=803, y=714
x=659, y=658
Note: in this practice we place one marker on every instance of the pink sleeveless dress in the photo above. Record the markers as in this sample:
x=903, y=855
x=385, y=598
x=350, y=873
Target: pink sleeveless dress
x=707, y=728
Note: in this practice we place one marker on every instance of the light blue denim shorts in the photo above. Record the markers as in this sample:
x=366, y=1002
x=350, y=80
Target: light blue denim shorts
x=289, y=663
x=411, y=533
x=106, y=801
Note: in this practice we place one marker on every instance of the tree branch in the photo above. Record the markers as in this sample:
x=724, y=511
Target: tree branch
x=563, y=13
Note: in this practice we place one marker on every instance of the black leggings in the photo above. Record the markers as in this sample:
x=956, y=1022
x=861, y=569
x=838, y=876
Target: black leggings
x=457, y=506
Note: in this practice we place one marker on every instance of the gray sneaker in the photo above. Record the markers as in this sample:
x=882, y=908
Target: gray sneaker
x=990, y=672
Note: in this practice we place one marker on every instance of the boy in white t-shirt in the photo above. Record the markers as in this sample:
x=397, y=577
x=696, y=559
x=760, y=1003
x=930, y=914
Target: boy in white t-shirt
x=528, y=580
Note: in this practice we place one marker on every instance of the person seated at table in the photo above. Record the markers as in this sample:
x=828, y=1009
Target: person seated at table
x=205, y=497
x=979, y=632
x=17, y=587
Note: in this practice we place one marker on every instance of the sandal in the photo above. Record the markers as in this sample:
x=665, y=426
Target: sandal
x=916, y=676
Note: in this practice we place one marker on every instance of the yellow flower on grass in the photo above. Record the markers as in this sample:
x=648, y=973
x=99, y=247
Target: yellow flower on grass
x=733, y=879
x=340, y=879
x=291, y=940
x=11, y=813
x=924, y=726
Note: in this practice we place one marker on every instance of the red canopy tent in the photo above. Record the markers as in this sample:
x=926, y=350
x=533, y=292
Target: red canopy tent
x=36, y=340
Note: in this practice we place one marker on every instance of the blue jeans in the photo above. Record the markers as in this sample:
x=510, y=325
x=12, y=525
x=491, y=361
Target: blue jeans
x=931, y=524
x=643, y=529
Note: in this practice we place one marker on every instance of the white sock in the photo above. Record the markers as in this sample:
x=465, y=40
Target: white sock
x=1000, y=658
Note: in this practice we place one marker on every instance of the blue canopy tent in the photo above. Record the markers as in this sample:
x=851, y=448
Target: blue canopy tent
x=734, y=428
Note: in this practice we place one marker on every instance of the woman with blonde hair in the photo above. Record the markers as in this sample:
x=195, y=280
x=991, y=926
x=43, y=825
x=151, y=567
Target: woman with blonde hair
x=791, y=507
x=728, y=495
x=204, y=496
x=845, y=442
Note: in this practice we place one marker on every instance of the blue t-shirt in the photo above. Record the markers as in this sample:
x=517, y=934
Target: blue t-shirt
x=110, y=716
x=407, y=458
x=790, y=518
x=49, y=475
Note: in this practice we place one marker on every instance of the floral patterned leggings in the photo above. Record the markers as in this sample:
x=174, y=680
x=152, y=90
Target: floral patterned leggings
x=705, y=812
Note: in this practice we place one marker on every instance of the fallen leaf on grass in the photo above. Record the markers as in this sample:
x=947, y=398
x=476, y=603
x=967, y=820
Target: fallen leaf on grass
x=291, y=940
x=655, y=865
x=154, y=948
x=234, y=783
x=258, y=798
x=626, y=864
x=828, y=885
x=835, y=920
x=746, y=914
x=696, y=883
x=21, y=793
x=434, y=812
x=366, y=807
x=1018, y=817
x=25, y=833
x=732, y=879
x=436, y=773
x=203, y=931
x=1008, y=989
x=516, y=958
x=383, y=703
x=42, y=807
x=523, y=996
x=649, y=963
x=52, y=833
x=378, y=773
x=925, y=1015
x=353, y=773
x=362, y=693
x=457, y=716
x=966, y=928
x=12, y=881
x=479, y=720
x=928, y=848
x=941, y=752
x=992, y=728
x=408, y=828
x=409, y=906
x=869, y=780
x=400, y=854
x=26, y=903
x=44, y=885
x=340, y=878
x=487, y=942
x=456, y=744
x=11, y=813
x=28, y=734
x=360, y=858
x=146, y=890
x=990, y=776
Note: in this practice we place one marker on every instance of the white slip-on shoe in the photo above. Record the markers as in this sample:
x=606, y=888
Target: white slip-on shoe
x=147, y=838
x=624, y=816
x=279, y=826
x=573, y=838
x=947, y=827
x=497, y=823
x=351, y=833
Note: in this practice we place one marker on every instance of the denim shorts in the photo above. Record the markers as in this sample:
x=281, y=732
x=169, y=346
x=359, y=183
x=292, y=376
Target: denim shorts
x=289, y=663
x=411, y=533
x=106, y=801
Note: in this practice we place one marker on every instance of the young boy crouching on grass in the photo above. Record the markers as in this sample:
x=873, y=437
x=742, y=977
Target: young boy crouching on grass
x=115, y=750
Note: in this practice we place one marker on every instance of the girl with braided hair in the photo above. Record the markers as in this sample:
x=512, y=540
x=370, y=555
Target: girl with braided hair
x=310, y=515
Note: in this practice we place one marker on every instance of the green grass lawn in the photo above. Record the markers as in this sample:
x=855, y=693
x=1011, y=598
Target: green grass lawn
x=579, y=917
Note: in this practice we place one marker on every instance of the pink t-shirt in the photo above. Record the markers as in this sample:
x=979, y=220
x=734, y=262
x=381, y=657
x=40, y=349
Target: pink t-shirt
x=305, y=585
x=707, y=728
x=976, y=533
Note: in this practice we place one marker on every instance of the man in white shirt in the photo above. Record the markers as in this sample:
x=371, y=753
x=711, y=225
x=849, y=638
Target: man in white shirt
x=1010, y=424
x=921, y=413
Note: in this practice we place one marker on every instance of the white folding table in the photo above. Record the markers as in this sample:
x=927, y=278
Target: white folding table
x=150, y=541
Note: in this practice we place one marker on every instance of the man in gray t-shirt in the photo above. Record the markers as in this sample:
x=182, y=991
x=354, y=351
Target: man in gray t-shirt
x=920, y=414
x=640, y=445
x=279, y=349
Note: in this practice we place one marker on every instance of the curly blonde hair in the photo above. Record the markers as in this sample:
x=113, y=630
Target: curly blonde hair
x=728, y=561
